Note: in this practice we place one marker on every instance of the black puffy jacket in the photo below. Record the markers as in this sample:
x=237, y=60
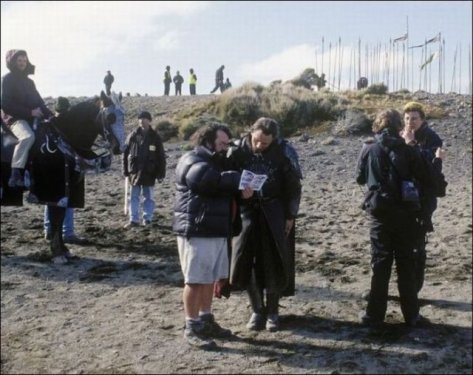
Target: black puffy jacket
x=204, y=195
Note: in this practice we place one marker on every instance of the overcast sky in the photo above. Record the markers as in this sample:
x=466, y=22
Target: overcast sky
x=73, y=44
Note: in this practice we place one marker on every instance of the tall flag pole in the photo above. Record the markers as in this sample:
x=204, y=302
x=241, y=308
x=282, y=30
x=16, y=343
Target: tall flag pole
x=322, y=68
x=469, y=69
x=407, y=52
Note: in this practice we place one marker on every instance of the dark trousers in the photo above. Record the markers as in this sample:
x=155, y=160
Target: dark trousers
x=167, y=86
x=108, y=89
x=393, y=238
x=218, y=85
x=192, y=89
x=178, y=90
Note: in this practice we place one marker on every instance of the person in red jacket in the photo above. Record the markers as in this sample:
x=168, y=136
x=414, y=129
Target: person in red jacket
x=22, y=106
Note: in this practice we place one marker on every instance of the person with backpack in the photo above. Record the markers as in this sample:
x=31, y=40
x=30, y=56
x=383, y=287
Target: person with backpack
x=167, y=80
x=192, y=82
x=416, y=131
x=387, y=165
x=178, y=81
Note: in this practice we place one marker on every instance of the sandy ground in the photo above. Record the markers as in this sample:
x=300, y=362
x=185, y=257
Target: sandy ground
x=118, y=308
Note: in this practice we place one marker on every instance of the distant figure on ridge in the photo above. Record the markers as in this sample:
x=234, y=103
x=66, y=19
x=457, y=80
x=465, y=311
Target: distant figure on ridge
x=178, y=80
x=218, y=80
x=362, y=83
x=108, y=80
x=167, y=80
x=192, y=81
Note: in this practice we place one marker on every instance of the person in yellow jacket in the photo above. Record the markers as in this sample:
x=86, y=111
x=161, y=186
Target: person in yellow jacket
x=192, y=81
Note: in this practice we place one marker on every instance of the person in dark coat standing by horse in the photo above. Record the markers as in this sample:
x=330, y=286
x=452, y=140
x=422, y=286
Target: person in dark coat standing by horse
x=263, y=253
x=108, y=80
x=22, y=106
x=144, y=161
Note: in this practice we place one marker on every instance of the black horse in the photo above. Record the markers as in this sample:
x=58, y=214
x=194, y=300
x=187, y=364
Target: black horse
x=65, y=147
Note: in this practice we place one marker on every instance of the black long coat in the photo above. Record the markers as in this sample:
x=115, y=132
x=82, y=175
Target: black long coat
x=278, y=201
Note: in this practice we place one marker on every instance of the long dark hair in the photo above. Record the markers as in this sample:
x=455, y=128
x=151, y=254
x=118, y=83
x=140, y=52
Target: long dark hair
x=207, y=134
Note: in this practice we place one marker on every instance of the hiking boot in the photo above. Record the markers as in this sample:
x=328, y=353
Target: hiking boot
x=16, y=178
x=131, y=224
x=73, y=239
x=198, y=340
x=256, y=322
x=60, y=259
x=419, y=321
x=367, y=321
x=272, y=323
x=212, y=328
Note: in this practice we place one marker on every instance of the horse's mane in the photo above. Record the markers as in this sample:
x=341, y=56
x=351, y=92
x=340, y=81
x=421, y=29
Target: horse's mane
x=78, y=125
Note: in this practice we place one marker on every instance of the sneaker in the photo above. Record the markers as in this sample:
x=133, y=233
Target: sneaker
x=73, y=239
x=257, y=322
x=212, y=328
x=198, y=340
x=146, y=222
x=131, y=224
x=272, y=323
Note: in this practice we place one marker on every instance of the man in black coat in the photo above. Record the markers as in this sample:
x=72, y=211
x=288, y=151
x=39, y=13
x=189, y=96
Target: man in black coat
x=263, y=253
x=417, y=131
x=144, y=162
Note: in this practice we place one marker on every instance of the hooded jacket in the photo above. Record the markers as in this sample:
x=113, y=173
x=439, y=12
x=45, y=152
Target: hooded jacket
x=375, y=170
x=19, y=94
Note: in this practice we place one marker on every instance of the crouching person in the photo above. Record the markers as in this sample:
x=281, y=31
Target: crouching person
x=203, y=223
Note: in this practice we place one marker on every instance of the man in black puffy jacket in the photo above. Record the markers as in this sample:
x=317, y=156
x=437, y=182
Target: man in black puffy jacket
x=144, y=162
x=204, y=216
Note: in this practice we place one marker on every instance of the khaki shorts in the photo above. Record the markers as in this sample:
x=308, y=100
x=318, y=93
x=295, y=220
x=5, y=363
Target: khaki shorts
x=203, y=260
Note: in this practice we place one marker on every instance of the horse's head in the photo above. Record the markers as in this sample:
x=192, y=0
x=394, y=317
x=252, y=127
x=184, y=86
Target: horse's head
x=86, y=128
x=114, y=117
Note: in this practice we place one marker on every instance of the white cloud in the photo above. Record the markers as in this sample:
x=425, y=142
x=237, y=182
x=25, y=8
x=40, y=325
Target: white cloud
x=80, y=34
x=169, y=41
x=282, y=65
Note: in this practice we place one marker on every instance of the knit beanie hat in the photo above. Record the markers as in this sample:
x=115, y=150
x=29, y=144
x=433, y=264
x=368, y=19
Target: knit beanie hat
x=62, y=105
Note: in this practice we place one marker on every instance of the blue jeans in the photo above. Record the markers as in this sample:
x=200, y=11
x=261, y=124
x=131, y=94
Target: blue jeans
x=67, y=226
x=148, y=203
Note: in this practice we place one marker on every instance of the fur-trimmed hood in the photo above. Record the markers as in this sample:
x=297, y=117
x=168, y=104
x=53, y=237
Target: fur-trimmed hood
x=11, y=61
